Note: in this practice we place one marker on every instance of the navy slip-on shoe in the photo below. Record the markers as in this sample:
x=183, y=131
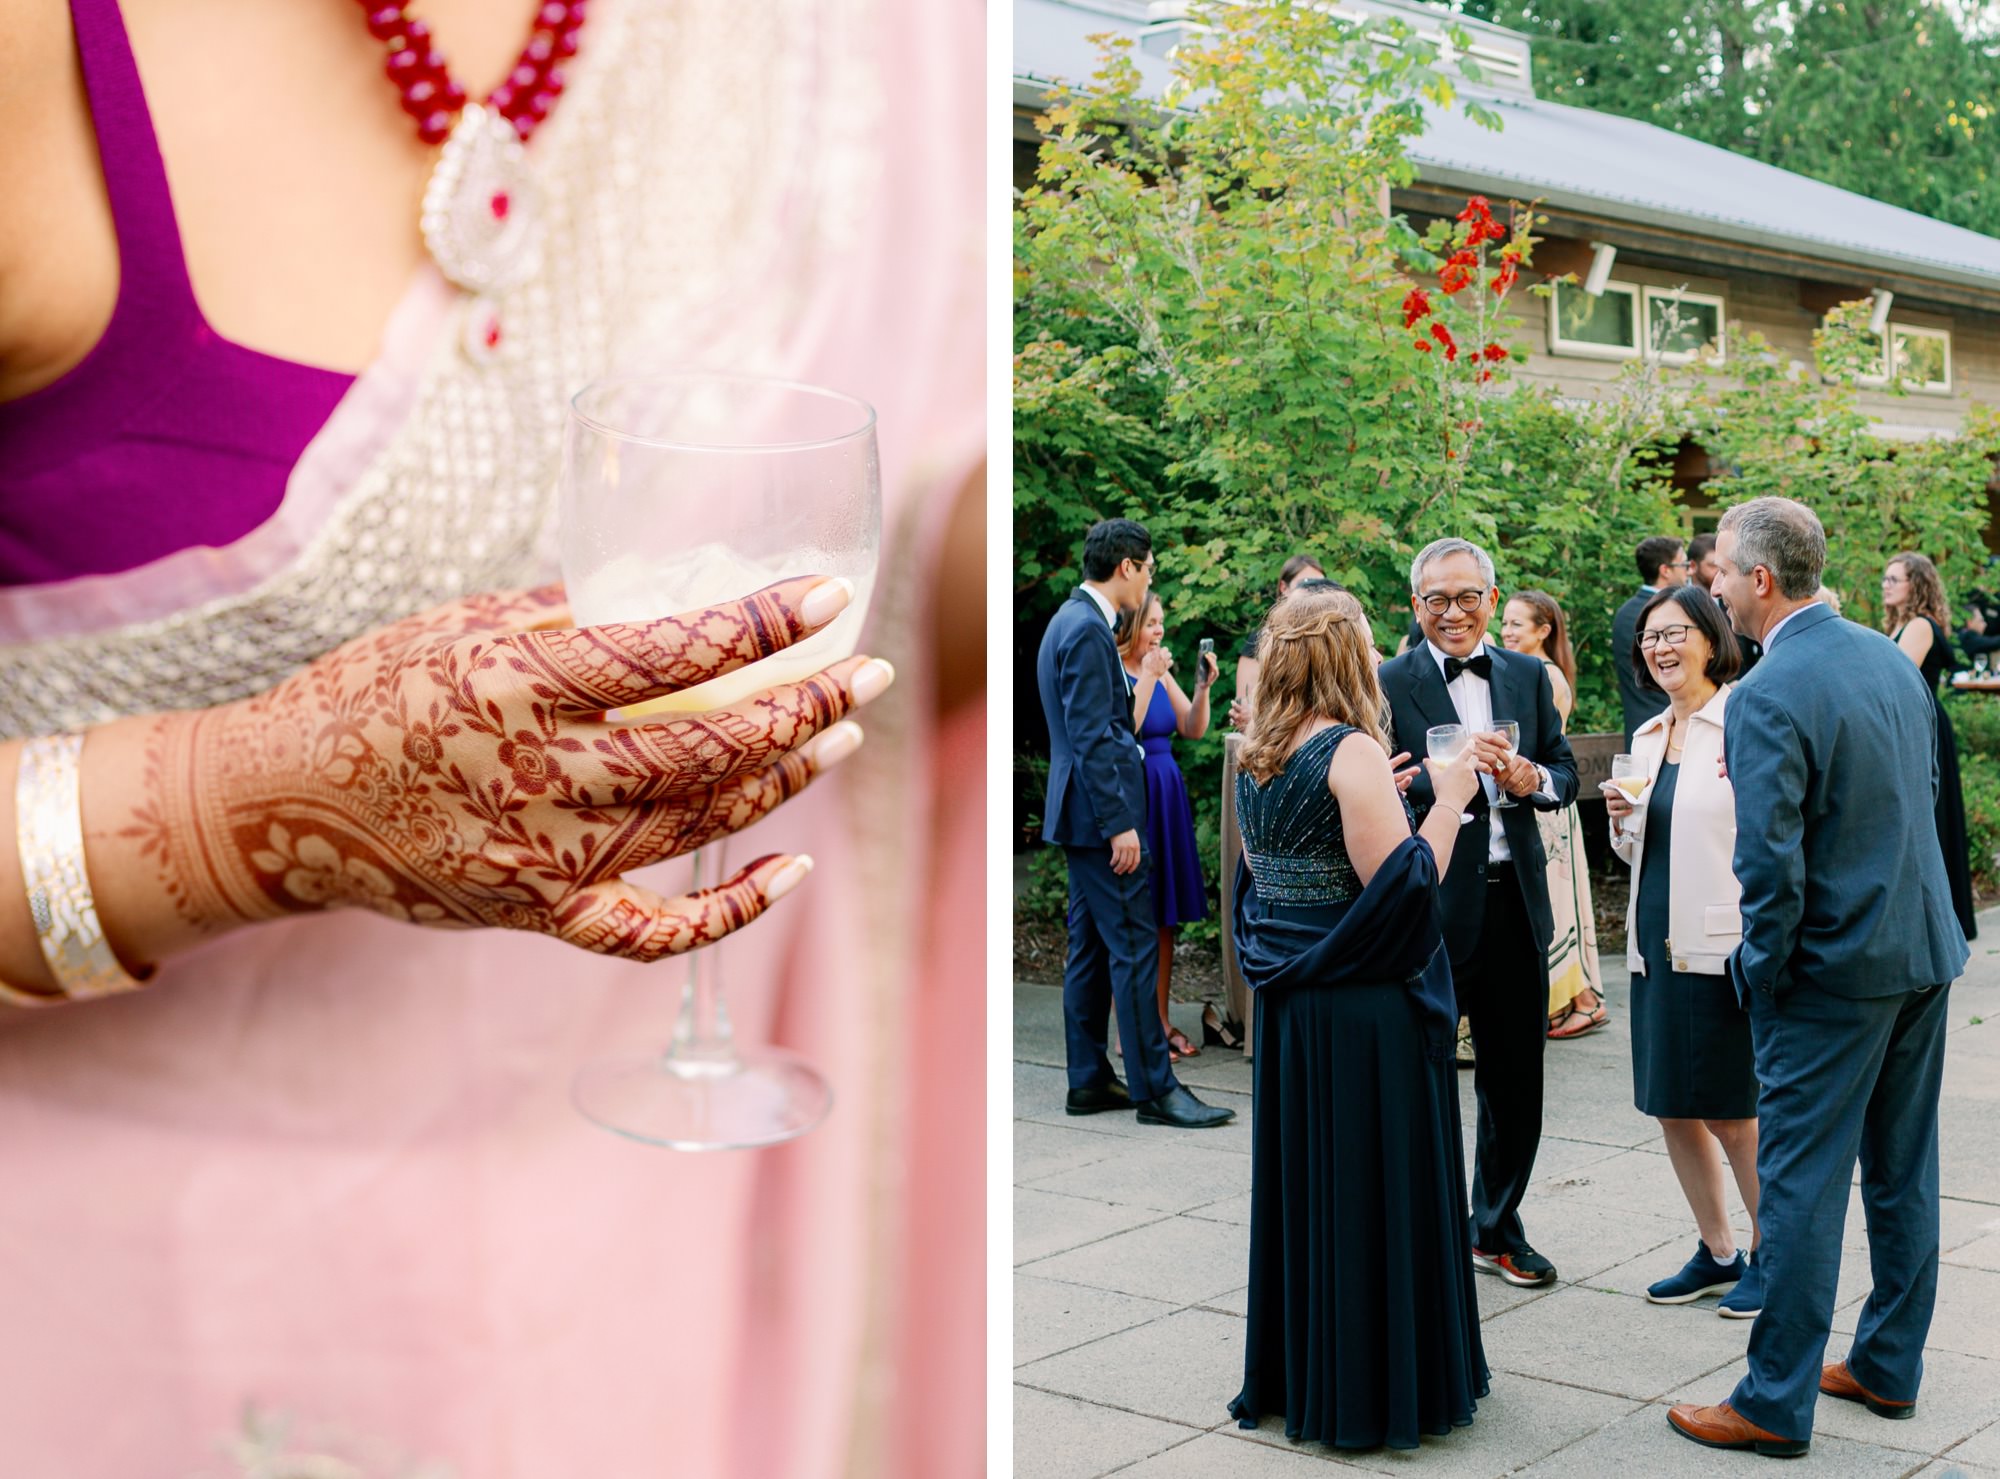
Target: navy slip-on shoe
x=1746, y=1300
x=1701, y=1275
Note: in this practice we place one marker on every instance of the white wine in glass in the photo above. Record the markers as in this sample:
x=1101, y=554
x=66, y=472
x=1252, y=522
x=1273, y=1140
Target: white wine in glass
x=1629, y=776
x=1509, y=731
x=1445, y=744
x=681, y=492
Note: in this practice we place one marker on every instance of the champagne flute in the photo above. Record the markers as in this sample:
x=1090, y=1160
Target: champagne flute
x=1445, y=744
x=681, y=492
x=1509, y=731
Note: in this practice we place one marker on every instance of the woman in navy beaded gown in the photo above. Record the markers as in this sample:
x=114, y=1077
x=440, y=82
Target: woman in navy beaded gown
x=1160, y=712
x=1363, y=1329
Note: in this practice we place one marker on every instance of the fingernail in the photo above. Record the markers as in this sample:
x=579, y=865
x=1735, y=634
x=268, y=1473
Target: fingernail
x=787, y=878
x=871, y=680
x=836, y=744
x=826, y=600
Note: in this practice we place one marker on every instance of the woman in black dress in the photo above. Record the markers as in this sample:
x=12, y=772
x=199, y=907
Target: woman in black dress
x=1914, y=607
x=1363, y=1329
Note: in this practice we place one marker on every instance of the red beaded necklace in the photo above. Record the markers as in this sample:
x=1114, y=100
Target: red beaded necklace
x=482, y=208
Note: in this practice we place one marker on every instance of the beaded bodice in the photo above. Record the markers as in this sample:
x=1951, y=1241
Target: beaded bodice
x=1291, y=828
x=669, y=239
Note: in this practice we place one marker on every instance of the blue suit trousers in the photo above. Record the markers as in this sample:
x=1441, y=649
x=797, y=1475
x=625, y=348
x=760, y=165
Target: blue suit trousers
x=1114, y=958
x=1843, y=1078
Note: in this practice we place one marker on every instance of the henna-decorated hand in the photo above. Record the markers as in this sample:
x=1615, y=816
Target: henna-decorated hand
x=458, y=769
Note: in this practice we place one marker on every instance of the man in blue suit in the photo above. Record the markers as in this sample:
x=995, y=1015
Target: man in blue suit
x=1096, y=812
x=1849, y=948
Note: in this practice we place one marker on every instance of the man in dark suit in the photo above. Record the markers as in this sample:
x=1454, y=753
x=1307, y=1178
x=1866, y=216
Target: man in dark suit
x=1497, y=922
x=1662, y=562
x=1096, y=812
x=1849, y=948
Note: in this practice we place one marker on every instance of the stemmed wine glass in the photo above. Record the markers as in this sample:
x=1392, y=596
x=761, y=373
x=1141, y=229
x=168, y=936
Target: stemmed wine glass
x=1445, y=744
x=1509, y=731
x=680, y=492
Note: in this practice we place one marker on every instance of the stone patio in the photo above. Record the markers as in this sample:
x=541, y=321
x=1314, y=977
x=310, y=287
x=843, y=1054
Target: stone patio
x=1130, y=1246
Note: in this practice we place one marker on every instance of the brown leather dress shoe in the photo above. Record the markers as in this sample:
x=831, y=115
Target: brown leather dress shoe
x=1837, y=1381
x=1722, y=1426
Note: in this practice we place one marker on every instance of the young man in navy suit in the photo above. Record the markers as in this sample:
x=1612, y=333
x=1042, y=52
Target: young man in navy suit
x=1849, y=949
x=1495, y=896
x=1096, y=812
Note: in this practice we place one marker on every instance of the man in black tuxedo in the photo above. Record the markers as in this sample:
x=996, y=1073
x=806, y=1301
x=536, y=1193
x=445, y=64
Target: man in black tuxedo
x=1096, y=812
x=1495, y=896
x=1663, y=562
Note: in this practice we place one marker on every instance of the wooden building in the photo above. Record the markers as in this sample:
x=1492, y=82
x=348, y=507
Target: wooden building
x=1643, y=217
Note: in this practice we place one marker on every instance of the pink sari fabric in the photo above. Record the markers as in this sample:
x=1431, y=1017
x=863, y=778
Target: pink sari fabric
x=321, y=1189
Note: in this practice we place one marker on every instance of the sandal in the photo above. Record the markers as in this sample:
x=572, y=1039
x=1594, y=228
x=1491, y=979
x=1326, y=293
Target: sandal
x=1219, y=1032
x=1178, y=1046
x=1578, y=1021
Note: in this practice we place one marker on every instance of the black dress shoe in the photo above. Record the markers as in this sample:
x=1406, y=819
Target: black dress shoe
x=1181, y=1109
x=1098, y=1098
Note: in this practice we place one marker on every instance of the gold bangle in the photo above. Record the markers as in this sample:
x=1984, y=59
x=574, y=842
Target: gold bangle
x=48, y=821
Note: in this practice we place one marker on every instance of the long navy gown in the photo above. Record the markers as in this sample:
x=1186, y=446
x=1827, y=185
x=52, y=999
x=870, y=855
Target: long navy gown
x=1363, y=1325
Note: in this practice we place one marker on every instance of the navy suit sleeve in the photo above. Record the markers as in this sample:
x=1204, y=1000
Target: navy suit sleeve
x=1098, y=744
x=1767, y=772
x=1554, y=756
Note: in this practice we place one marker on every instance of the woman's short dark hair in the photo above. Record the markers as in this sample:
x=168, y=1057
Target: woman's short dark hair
x=1725, y=658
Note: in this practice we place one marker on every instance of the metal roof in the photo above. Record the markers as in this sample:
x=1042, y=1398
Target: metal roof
x=1578, y=160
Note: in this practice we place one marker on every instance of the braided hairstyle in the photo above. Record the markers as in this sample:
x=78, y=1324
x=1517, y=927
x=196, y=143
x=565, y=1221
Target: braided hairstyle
x=1316, y=662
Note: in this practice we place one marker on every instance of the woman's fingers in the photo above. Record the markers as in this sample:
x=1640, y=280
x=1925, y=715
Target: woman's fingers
x=587, y=670
x=619, y=918
x=669, y=757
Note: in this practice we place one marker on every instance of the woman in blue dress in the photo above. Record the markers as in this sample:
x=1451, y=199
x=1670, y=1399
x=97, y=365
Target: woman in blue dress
x=1363, y=1329
x=1161, y=711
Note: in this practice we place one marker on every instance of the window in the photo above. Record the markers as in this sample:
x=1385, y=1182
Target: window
x=1922, y=359
x=1604, y=327
x=1680, y=324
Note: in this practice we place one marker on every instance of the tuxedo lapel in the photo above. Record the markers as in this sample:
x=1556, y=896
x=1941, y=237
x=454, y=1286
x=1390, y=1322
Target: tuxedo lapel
x=1504, y=692
x=1427, y=690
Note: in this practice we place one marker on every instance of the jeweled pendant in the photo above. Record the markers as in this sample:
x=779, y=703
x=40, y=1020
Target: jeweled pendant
x=482, y=215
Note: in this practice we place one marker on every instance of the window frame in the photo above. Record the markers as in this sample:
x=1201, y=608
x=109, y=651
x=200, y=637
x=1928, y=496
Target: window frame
x=1583, y=349
x=1686, y=295
x=1914, y=387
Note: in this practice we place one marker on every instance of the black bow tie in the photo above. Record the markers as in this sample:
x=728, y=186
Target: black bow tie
x=1480, y=664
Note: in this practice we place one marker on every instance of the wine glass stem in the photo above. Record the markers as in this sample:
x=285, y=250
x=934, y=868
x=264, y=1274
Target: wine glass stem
x=703, y=1041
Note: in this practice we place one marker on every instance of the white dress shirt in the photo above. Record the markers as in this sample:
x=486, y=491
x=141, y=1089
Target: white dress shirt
x=1472, y=697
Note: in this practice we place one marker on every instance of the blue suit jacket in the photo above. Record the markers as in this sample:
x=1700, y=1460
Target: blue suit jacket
x=1831, y=743
x=1097, y=781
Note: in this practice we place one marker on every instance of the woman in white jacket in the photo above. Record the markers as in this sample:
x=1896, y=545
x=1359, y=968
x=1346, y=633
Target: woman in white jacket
x=1691, y=1057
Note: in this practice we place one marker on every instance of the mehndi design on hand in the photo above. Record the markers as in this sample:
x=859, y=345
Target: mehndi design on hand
x=457, y=769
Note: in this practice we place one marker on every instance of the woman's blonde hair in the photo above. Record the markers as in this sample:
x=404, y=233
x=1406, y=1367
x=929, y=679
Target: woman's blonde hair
x=1313, y=662
x=1926, y=591
x=1125, y=632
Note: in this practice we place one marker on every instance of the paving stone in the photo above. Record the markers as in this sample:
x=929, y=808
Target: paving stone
x=1613, y=1343
x=1179, y=1259
x=1584, y=1242
x=1637, y=1181
x=1184, y=1368
x=1967, y=1317
x=1062, y=1438
x=1046, y=1223
x=1051, y=1316
x=1043, y=1149
x=1521, y=1420
x=1234, y=1209
x=1559, y=1157
x=1979, y=1253
x=1039, y=1093
x=1145, y=1173
x=1642, y=1445
x=1960, y=1397
x=1235, y=1302
x=1224, y=1455
x=1981, y=1448
x=1959, y=1222
x=1948, y=1468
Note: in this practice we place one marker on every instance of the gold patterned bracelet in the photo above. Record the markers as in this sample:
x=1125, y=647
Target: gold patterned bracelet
x=48, y=820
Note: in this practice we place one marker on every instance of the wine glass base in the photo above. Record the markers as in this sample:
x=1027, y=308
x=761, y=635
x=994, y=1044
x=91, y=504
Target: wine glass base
x=766, y=1097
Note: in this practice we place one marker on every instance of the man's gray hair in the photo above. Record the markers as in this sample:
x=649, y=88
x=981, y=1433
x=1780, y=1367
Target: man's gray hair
x=1439, y=549
x=1783, y=536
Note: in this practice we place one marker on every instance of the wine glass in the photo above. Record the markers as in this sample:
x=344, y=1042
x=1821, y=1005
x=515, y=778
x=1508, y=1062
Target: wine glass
x=1629, y=776
x=680, y=492
x=1509, y=731
x=1445, y=744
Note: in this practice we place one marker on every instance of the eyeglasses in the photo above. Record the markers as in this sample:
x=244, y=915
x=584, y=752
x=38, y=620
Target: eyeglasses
x=1675, y=565
x=1149, y=567
x=1654, y=636
x=1437, y=602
